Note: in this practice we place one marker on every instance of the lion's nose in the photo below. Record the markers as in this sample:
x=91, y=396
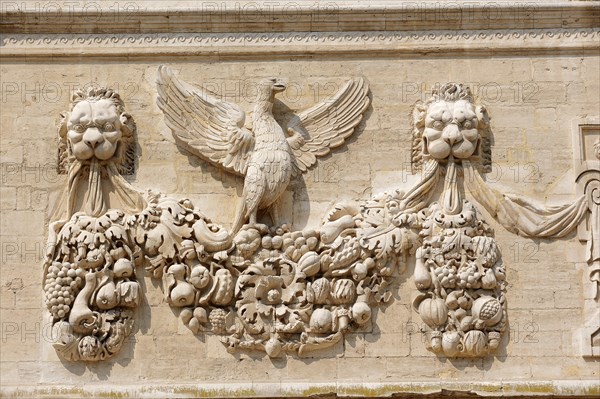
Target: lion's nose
x=93, y=137
x=452, y=134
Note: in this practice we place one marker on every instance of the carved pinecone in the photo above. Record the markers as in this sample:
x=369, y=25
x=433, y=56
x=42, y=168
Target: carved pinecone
x=217, y=320
x=489, y=310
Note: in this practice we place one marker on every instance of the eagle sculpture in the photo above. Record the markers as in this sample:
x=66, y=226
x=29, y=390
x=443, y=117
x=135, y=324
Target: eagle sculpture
x=268, y=155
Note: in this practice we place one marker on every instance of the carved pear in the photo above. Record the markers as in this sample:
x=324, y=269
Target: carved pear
x=183, y=293
x=422, y=275
x=107, y=297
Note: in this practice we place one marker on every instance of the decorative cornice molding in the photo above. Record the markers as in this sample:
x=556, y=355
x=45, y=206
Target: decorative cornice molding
x=299, y=44
x=286, y=16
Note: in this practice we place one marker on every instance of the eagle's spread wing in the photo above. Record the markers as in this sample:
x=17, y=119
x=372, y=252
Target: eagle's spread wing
x=327, y=124
x=208, y=127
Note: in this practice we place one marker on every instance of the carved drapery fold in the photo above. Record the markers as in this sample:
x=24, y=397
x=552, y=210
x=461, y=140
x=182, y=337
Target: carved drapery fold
x=521, y=216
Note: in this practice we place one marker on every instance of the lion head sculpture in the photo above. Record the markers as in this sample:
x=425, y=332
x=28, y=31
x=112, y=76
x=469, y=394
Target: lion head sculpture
x=97, y=126
x=449, y=124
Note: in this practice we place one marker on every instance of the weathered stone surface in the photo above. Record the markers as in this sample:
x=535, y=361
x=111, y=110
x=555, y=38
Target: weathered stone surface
x=533, y=67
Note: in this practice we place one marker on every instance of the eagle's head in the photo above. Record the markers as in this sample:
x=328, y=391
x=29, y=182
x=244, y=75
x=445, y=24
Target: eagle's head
x=266, y=93
x=269, y=87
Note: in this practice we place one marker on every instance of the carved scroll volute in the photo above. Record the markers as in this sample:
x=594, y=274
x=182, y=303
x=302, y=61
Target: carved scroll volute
x=89, y=275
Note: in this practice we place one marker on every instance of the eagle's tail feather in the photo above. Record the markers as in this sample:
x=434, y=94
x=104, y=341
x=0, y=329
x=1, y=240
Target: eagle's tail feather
x=240, y=218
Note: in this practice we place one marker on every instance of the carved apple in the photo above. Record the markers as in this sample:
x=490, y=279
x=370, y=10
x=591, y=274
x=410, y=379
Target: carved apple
x=321, y=321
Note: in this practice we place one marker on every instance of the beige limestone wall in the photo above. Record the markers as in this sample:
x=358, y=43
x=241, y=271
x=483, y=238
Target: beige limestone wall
x=532, y=99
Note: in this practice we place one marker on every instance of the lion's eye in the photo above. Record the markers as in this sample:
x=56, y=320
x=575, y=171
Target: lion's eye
x=108, y=127
x=78, y=128
x=468, y=125
x=438, y=125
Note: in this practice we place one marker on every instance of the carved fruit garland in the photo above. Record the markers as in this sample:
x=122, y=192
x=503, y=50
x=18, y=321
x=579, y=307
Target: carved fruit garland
x=90, y=285
x=266, y=289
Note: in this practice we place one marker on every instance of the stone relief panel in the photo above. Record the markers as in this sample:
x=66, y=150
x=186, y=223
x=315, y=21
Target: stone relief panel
x=268, y=287
x=89, y=273
x=586, y=146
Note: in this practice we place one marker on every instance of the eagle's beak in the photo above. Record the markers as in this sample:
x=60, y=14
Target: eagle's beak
x=279, y=86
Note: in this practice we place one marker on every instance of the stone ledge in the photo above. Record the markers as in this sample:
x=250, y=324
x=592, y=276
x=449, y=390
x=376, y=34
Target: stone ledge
x=286, y=16
x=429, y=389
x=302, y=44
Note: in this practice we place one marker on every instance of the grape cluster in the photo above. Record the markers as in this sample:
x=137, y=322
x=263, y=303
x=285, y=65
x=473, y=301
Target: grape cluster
x=294, y=244
x=63, y=282
x=469, y=277
x=446, y=276
x=217, y=319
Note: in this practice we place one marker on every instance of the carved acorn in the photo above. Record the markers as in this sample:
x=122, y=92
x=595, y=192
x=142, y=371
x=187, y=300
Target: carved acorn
x=343, y=291
x=433, y=311
x=475, y=343
x=309, y=264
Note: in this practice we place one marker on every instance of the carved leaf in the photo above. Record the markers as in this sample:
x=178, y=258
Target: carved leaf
x=165, y=238
x=384, y=242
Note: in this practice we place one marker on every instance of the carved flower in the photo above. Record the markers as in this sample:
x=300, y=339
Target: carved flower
x=269, y=290
x=597, y=148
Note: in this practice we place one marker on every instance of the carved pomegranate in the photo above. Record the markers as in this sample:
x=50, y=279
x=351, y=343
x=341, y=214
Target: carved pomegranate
x=433, y=311
x=487, y=309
